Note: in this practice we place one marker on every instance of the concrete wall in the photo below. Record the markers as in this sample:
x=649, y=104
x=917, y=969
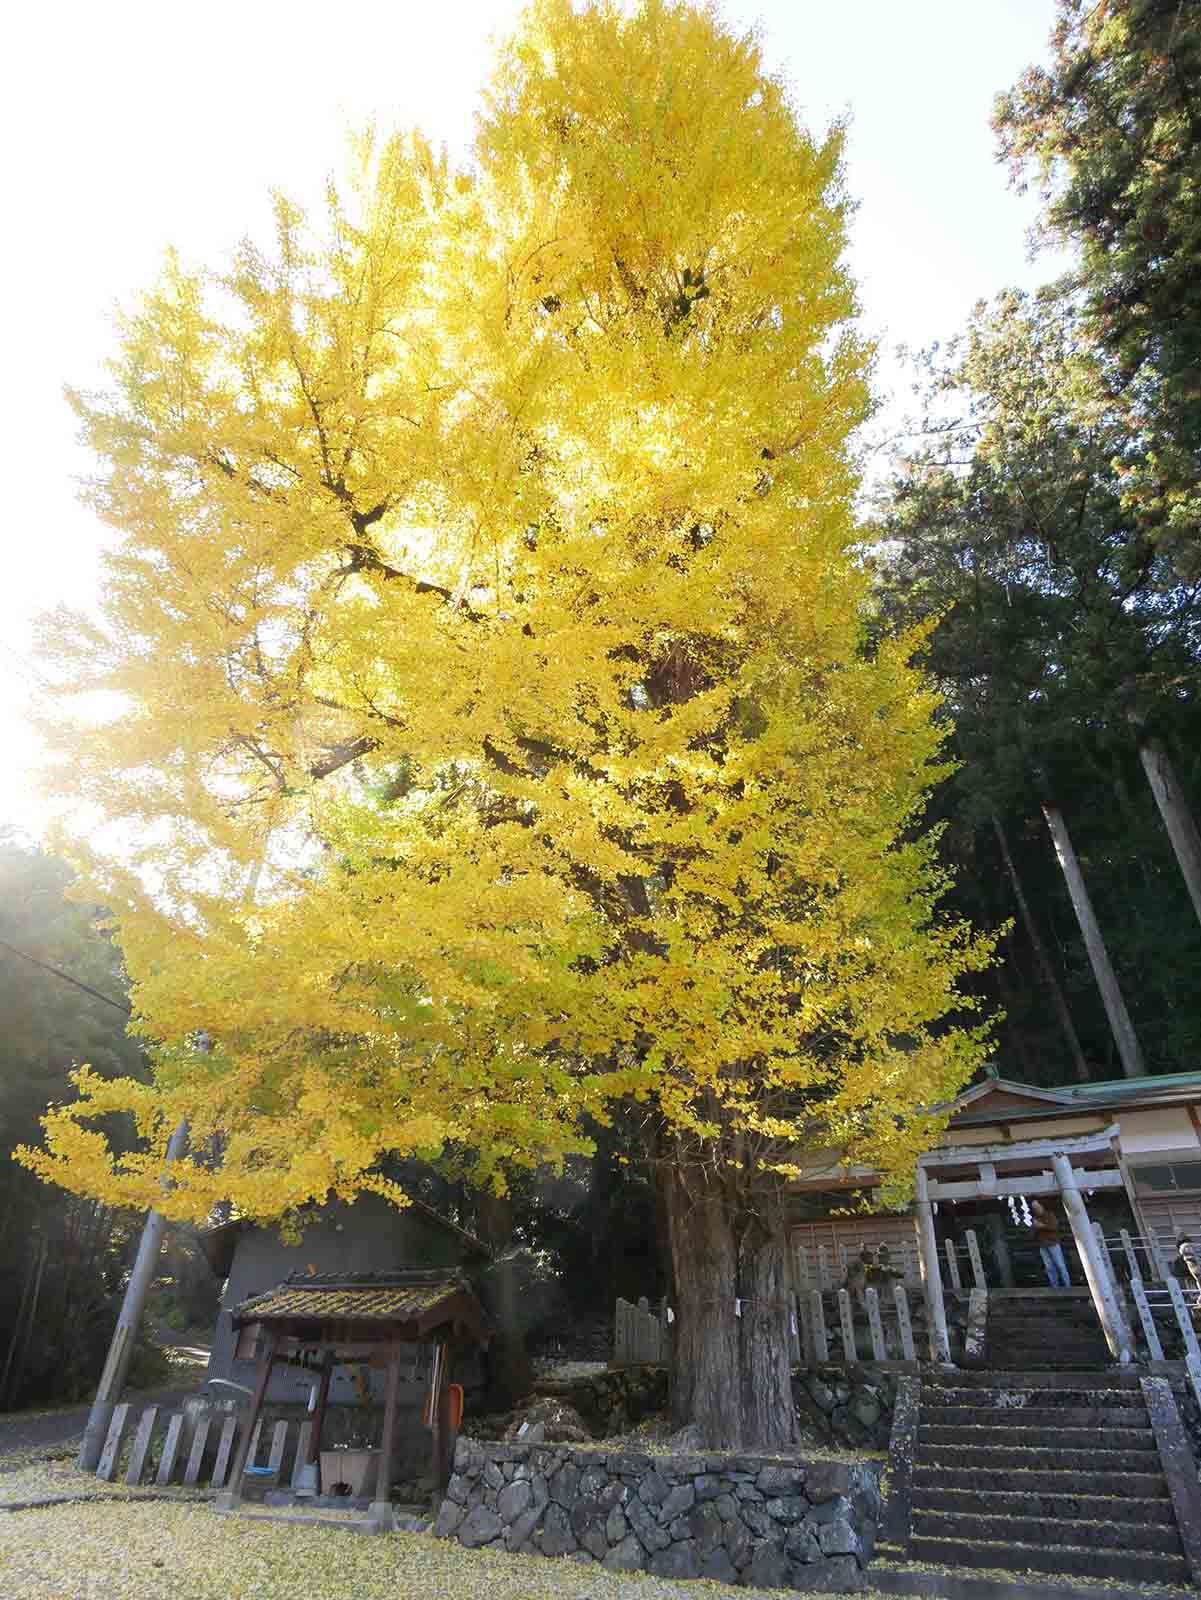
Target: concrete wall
x=368, y=1236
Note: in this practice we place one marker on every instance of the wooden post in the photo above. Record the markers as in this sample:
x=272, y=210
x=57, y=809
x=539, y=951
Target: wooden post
x=801, y=1256
x=1162, y=1271
x=1000, y=1247
x=879, y=1348
x=1185, y=1322
x=823, y=1268
x=1177, y=817
x=302, y=1457
x=973, y=1255
x=279, y=1443
x=821, y=1347
x=904, y=1326
x=1150, y=1331
x=166, y=1466
x=441, y=1454
x=383, y=1481
x=1104, y=1300
x=1111, y=995
x=953, y=1265
x=250, y=1436
x=1131, y=1258
x=195, y=1462
x=141, y=1444
x=975, y=1343
x=225, y=1446
x=927, y=1244
x=846, y=1322
x=1103, y=1251
x=327, y=1372
x=107, y=1466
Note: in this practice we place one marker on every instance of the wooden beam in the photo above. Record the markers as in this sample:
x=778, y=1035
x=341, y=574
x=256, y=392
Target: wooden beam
x=969, y=1155
x=441, y=1455
x=314, y=1441
x=383, y=1482
x=1042, y=1184
x=266, y=1361
x=1104, y=1298
x=936, y=1313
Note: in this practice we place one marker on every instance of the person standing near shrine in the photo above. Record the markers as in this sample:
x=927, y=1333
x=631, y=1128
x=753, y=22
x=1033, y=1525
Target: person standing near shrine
x=1046, y=1231
x=1190, y=1263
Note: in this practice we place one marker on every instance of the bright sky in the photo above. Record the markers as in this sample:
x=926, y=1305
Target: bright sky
x=137, y=124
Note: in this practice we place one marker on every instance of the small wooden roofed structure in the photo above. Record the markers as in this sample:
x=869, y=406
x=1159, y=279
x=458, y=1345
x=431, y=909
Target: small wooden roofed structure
x=318, y=1321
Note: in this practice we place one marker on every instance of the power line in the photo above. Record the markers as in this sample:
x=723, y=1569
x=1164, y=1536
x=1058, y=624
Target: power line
x=117, y=1005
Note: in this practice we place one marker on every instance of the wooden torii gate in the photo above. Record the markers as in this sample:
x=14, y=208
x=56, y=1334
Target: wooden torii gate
x=994, y=1176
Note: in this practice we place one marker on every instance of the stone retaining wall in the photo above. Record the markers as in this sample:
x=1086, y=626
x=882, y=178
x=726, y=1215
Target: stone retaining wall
x=850, y=1407
x=749, y=1519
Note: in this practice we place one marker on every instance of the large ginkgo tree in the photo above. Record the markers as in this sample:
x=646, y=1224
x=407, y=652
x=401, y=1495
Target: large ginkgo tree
x=491, y=733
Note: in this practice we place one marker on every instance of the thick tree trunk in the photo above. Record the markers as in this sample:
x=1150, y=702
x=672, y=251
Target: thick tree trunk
x=732, y=1375
x=1115, y=1007
x=1045, y=966
x=1177, y=817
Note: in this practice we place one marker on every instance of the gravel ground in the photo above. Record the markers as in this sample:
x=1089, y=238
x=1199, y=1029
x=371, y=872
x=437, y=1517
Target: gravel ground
x=129, y=1551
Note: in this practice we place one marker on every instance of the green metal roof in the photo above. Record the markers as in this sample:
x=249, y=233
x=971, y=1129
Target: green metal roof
x=1116, y=1088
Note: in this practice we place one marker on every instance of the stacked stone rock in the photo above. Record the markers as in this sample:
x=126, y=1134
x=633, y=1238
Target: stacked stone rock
x=847, y=1406
x=748, y=1519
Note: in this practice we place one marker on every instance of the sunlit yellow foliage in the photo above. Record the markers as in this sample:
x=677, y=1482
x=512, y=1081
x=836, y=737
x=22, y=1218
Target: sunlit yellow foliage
x=493, y=730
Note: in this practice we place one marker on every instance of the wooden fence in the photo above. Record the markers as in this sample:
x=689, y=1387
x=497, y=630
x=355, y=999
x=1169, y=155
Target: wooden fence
x=825, y=1267
x=175, y=1448
x=874, y=1326
x=842, y=1327
x=640, y=1337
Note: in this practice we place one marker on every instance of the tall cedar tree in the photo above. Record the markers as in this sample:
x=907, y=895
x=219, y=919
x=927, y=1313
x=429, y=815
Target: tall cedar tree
x=1058, y=618
x=497, y=737
x=1113, y=129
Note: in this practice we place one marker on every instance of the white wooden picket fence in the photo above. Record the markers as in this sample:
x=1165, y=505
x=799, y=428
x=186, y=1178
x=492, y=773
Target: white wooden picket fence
x=155, y=1447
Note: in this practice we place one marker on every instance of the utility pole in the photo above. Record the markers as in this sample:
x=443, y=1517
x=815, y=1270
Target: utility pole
x=112, y=1379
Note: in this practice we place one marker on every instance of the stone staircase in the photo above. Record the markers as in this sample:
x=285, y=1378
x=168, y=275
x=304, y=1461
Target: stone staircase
x=1053, y=1472
x=1032, y=1328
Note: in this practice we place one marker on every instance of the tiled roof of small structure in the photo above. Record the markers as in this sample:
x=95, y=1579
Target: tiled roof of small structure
x=362, y=1297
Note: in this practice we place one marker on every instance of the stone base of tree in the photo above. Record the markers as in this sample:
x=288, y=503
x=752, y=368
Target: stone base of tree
x=766, y=1522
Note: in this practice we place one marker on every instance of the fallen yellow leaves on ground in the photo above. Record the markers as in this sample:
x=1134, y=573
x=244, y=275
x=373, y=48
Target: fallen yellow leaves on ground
x=110, y=1550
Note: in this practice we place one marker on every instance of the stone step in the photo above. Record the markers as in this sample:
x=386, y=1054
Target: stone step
x=1064, y=1560
x=1078, y=1352
x=1036, y=1416
x=1158, y=1538
x=1144, y=1485
x=1099, y=1377
x=933, y=1396
x=1114, y=1507
x=984, y=1457
x=1081, y=1350
x=1014, y=1432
